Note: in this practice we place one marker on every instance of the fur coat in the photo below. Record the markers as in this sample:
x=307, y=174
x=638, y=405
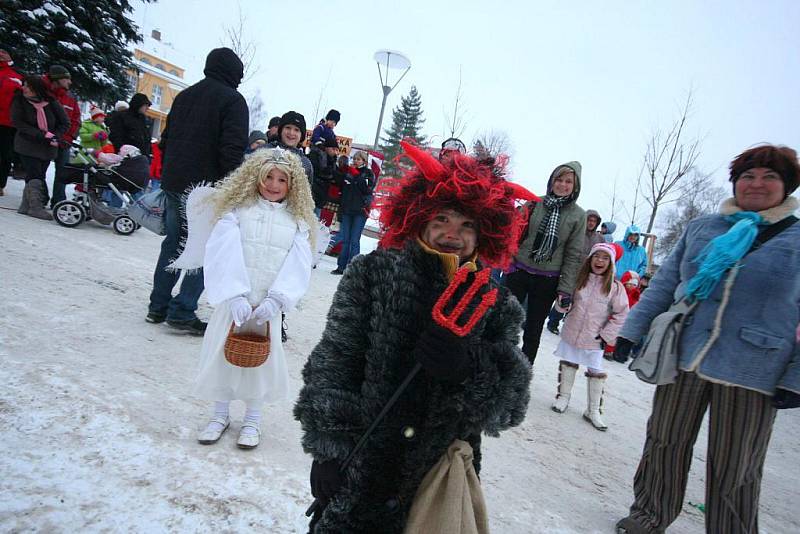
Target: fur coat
x=383, y=302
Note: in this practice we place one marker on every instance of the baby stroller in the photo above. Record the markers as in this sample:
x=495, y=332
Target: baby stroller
x=123, y=179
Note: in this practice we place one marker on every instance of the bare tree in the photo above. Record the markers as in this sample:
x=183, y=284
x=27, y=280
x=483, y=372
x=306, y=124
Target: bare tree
x=667, y=160
x=258, y=112
x=492, y=143
x=700, y=197
x=235, y=38
x=457, y=122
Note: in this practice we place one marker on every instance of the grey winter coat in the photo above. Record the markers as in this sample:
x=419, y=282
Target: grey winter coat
x=383, y=301
x=30, y=140
x=743, y=335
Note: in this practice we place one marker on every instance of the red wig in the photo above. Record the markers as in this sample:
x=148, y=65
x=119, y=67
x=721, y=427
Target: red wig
x=462, y=184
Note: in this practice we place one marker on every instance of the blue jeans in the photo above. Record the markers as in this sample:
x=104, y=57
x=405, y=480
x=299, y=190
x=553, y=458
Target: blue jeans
x=182, y=306
x=351, y=226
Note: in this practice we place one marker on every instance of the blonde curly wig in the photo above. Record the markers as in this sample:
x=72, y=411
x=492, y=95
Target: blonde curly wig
x=240, y=188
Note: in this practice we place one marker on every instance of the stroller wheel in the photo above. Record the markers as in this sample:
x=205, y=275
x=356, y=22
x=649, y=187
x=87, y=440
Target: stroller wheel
x=69, y=213
x=123, y=225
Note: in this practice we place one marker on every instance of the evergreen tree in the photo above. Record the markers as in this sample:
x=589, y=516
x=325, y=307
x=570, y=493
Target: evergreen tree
x=89, y=38
x=407, y=122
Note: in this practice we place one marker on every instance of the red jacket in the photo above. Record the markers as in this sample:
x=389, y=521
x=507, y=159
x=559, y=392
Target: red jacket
x=633, y=292
x=70, y=105
x=155, y=164
x=10, y=82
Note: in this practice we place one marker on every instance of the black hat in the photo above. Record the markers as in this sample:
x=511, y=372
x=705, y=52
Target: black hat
x=333, y=115
x=292, y=117
x=256, y=135
x=57, y=72
x=274, y=121
x=331, y=142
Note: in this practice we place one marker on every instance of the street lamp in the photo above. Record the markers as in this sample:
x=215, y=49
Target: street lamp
x=390, y=59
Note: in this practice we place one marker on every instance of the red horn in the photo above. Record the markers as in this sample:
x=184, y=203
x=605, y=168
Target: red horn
x=522, y=193
x=430, y=167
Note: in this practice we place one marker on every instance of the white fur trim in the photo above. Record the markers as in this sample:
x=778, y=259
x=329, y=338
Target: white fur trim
x=772, y=215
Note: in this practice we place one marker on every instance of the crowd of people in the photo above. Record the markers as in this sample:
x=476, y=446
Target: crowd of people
x=419, y=356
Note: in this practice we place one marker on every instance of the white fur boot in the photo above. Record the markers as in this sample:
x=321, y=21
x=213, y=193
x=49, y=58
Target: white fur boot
x=594, y=408
x=566, y=378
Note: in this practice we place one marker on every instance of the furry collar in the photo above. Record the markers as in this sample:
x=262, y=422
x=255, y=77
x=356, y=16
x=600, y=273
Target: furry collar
x=771, y=215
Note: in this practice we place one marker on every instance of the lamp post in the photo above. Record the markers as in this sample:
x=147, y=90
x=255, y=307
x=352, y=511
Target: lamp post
x=389, y=59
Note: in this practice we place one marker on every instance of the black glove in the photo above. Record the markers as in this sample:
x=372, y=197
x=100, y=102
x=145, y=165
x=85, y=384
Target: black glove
x=443, y=354
x=622, y=349
x=326, y=479
x=565, y=301
x=602, y=342
x=785, y=399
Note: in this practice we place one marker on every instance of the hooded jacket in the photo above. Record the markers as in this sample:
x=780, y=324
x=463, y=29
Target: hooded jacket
x=592, y=237
x=594, y=313
x=634, y=257
x=569, y=254
x=89, y=130
x=130, y=127
x=611, y=227
x=207, y=127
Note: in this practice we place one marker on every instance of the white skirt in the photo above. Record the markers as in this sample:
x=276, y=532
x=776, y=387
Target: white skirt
x=219, y=380
x=592, y=358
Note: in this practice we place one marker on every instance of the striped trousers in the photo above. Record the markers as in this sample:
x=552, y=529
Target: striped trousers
x=740, y=427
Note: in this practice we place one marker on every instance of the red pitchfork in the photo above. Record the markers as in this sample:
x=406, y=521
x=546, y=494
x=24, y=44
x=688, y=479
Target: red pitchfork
x=445, y=320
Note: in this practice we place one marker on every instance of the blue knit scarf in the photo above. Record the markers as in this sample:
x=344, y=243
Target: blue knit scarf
x=722, y=253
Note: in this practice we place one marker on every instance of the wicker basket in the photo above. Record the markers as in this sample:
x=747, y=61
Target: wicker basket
x=246, y=349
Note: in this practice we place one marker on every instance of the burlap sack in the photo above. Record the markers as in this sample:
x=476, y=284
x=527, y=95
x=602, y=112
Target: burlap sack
x=449, y=500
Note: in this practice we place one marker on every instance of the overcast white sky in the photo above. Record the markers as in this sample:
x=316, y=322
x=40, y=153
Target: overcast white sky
x=566, y=80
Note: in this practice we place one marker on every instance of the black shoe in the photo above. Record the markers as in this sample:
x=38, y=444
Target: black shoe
x=193, y=326
x=337, y=271
x=553, y=329
x=155, y=318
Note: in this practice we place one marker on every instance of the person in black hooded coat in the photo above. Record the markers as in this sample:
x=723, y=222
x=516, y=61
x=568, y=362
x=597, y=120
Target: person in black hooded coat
x=132, y=127
x=205, y=139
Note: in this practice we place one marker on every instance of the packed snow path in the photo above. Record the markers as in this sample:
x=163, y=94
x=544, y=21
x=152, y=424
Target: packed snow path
x=98, y=427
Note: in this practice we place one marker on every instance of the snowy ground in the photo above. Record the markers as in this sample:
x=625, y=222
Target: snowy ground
x=98, y=428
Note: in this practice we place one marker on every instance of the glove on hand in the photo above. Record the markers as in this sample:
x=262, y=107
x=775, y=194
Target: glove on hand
x=100, y=136
x=602, y=342
x=326, y=479
x=565, y=301
x=443, y=354
x=266, y=310
x=240, y=310
x=622, y=349
x=785, y=399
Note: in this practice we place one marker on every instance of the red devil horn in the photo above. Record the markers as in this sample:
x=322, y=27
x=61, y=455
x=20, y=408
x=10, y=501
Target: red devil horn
x=430, y=167
x=521, y=193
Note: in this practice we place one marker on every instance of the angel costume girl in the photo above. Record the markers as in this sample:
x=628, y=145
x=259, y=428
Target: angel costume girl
x=252, y=234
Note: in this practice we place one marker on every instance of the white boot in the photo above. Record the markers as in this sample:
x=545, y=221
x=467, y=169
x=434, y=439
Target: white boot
x=566, y=378
x=594, y=408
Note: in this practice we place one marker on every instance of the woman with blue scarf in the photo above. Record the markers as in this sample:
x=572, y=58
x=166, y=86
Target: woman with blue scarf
x=738, y=355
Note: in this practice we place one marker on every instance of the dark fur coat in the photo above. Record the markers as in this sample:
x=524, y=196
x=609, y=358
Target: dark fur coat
x=381, y=305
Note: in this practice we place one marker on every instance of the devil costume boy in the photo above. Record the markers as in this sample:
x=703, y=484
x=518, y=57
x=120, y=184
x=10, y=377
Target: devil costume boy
x=442, y=219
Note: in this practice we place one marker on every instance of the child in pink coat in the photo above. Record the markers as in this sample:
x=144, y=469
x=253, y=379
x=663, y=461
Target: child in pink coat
x=600, y=305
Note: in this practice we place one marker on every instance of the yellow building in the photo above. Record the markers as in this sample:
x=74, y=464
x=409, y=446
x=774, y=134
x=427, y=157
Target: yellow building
x=156, y=77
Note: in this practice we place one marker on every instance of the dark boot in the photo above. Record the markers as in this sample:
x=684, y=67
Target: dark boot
x=36, y=200
x=24, y=205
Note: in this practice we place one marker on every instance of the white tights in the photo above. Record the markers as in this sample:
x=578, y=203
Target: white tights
x=252, y=416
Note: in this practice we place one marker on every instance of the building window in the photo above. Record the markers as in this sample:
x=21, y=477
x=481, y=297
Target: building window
x=173, y=72
x=133, y=80
x=145, y=60
x=156, y=97
x=160, y=67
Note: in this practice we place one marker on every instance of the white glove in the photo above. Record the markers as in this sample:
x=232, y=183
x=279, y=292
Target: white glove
x=241, y=310
x=266, y=310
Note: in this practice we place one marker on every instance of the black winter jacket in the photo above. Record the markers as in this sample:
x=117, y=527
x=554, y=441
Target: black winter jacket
x=30, y=140
x=207, y=127
x=383, y=301
x=323, y=166
x=130, y=127
x=356, y=191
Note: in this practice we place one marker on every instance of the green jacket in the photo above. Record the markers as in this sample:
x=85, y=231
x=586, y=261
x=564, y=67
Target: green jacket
x=568, y=256
x=87, y=131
